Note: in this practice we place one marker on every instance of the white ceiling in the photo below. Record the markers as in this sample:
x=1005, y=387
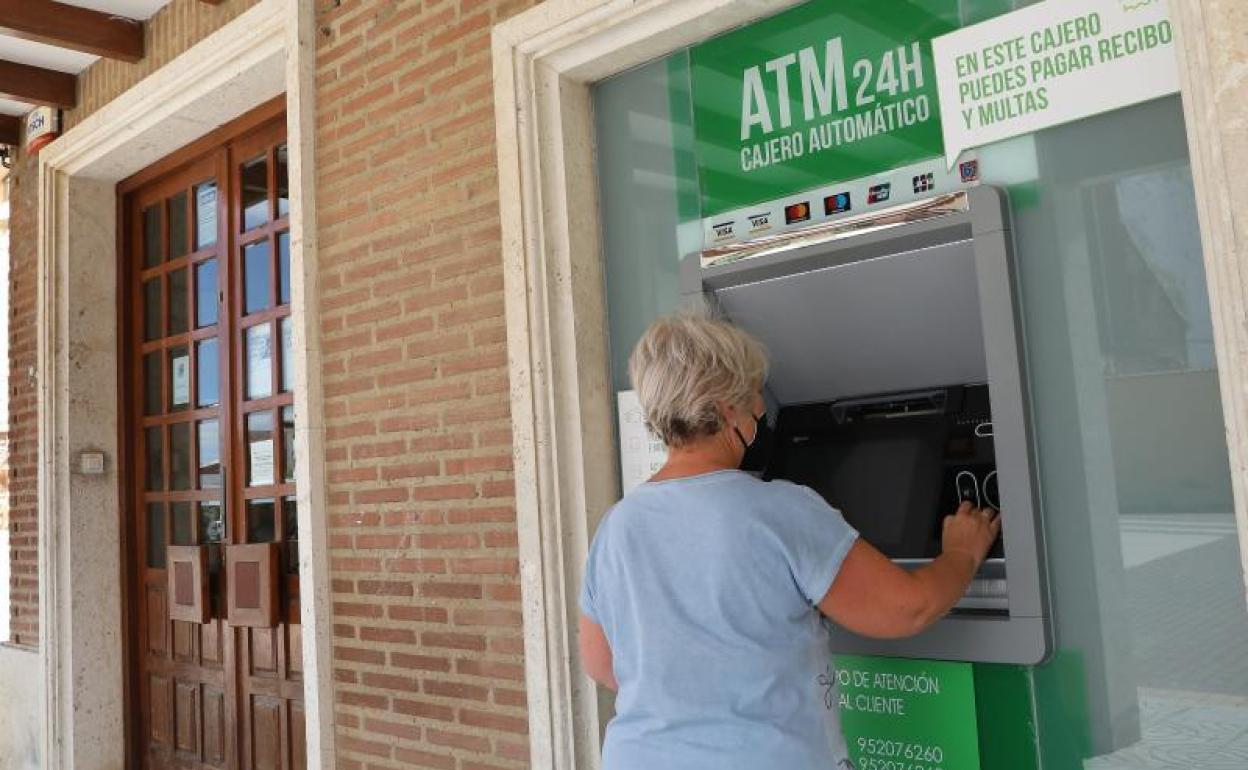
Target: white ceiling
x=134, y=9
x=63, y=59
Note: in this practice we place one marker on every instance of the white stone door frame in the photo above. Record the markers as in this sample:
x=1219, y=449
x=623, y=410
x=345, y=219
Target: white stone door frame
x=268, y=50
x=561, y=401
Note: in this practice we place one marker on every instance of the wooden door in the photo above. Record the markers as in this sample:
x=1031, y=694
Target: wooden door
x=210, y=423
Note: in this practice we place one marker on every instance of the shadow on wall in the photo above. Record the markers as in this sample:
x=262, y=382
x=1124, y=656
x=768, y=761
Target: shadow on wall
x=19, y=709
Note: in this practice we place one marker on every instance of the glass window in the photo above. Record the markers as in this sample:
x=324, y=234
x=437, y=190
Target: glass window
x=179, y=230
x=1144, y=561
x=283, y=269
x=179, y=309
x=211, y=521
x=260, y=524
x=260, y=459
x=152, y=400
x=180, y=513
x=205, y=215
x=290, y=513
x=259, y=349
x=210, y=469
x=256, y=285
x=156, y=535
x=206, y=304
x=208, y=366
x=255, y=192
x=288, y=362
x=288, y=443
x=180, y=456
x=154, y=457
x=283, y=182
x=152, y=326
x=153, y=243
x=179, y=378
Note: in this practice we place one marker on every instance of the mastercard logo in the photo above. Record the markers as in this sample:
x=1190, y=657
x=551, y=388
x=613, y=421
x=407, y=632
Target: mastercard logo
x=796, y=212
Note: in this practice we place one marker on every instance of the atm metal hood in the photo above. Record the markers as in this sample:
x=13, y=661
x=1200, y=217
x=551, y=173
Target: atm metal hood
x=876, y=304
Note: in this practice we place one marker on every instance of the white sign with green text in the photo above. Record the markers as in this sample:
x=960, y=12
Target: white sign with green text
x=1051, y=63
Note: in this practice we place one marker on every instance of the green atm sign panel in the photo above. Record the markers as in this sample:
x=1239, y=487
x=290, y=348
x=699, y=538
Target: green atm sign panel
x=831, y=90
x=900, y=714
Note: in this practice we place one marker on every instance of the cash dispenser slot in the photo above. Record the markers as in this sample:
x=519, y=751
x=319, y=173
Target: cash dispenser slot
x=896, y=390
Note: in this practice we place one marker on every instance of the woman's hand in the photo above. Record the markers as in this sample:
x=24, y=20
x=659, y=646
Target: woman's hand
x=971, y=531
x=874, y=597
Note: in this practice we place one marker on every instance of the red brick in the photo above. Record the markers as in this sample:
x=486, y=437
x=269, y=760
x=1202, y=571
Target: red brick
x=453, y=640
x=420, y=708
x=457, y=690
x=420, y=662
x=493, y=721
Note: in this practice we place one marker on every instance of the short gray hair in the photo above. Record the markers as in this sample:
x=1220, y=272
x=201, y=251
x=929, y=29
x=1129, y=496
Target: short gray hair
x=684, y=364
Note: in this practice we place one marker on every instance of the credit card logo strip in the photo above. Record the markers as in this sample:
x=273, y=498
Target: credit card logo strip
x=797, y=212
x=879, y=193
x=838, y=203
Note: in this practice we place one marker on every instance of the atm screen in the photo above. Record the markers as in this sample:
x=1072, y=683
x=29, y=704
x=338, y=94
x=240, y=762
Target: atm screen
x=894, y=478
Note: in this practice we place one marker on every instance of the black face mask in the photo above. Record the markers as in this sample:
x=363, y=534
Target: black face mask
x=758, y=451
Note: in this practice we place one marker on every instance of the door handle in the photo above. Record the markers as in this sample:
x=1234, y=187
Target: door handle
x=251, y=581
x=187, y=573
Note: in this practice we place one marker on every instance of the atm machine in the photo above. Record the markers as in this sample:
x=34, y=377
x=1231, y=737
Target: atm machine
x=897, y=390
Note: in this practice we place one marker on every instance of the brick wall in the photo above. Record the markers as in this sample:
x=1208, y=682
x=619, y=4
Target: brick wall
x=427, y=619
x=168, y=33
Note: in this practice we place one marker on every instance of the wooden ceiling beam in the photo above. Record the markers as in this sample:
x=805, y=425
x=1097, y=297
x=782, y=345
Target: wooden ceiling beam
x=68, y=26
x=35, y=85
x=10, y=130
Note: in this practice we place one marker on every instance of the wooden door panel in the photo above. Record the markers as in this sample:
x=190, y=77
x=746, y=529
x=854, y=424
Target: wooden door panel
x=185, y=636
x=186, y=707
x=157, y=638
x=263, y=651
x=158, y=717
x=210, y=644
x=294, y=651
x=298, y=737
x=266, y=733
x=214, y=726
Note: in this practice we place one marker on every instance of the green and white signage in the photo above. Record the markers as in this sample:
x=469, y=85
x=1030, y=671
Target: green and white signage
x=900, y=714
x=828, y=91
x=1051, y=63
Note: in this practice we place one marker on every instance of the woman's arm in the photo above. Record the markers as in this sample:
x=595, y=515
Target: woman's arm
x=873, y=597
x=596, y=654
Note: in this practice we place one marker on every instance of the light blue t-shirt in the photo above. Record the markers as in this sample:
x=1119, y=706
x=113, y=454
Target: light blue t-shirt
x=706, y=589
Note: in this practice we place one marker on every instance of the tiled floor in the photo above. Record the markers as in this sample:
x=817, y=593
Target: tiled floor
x=1185, y=731
x=1190, y=645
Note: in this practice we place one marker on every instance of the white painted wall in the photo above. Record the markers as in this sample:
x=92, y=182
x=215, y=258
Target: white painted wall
x=19, y=716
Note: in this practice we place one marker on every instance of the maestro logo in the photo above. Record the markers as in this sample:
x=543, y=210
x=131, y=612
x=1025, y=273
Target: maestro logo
x=837, y=204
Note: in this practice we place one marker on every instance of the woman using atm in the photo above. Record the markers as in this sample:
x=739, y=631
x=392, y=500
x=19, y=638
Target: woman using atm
x=706, y=588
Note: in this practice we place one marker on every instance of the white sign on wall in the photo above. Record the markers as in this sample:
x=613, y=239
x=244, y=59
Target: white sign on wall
x=1051, y=63
x=642, y=454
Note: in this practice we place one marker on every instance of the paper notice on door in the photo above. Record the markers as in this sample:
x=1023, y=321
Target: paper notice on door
x=206, y=215
x=259, y=362
x=181, y=380
x=261, y=463
x=642, y=454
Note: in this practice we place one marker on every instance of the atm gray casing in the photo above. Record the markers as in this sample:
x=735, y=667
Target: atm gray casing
x=931, y=302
